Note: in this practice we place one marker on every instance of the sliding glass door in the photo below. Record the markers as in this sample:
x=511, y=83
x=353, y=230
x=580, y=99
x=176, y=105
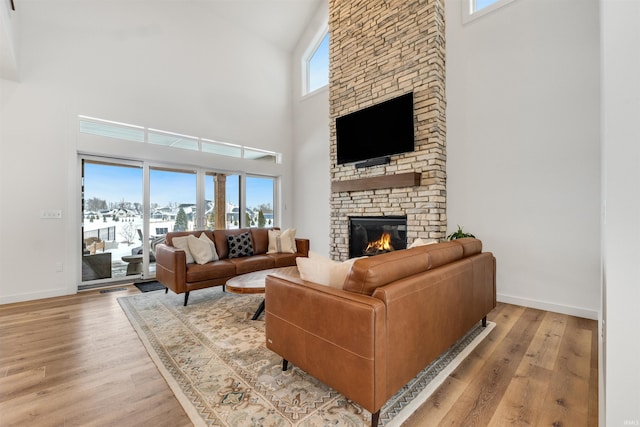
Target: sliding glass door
x=173, y=206
x=112, y=218
x=128, y=207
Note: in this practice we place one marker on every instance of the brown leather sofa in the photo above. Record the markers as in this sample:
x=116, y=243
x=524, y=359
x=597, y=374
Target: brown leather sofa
x=174, y=273
x=396, y=313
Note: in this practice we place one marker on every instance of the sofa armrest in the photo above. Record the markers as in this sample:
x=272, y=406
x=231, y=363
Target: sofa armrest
x=334, y=335
x=302, y=247
x=171, y=267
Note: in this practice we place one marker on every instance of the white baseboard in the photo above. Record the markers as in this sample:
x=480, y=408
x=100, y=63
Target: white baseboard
x=550, y=306
x=32, y=296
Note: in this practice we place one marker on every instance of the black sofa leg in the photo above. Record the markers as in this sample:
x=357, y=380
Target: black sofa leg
x=484, y=321
x=285, y=364
x=374, y=419
x=166, y=290
x=186, y=298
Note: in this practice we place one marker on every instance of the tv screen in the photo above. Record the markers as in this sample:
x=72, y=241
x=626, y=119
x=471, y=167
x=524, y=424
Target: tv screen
x=377, y=131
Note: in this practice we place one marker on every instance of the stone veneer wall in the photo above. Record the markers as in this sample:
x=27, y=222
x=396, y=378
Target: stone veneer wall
x=380, y=50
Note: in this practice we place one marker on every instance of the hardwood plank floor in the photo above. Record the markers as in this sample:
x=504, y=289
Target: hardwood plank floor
x=536, y=368
x=76, y=361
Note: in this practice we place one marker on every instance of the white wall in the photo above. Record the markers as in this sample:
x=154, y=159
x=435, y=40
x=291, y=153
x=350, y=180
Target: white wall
x=8, y=59
x=621, y=221
x=169, y=65
x=311, y=148
x=523, y=151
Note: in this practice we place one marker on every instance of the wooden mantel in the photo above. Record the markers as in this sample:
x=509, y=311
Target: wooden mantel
x=409, y=179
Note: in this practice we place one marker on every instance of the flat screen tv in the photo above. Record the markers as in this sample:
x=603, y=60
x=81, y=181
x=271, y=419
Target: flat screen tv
x=376, y=132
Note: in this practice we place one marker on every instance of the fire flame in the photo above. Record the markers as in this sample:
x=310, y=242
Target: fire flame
x=382, y=244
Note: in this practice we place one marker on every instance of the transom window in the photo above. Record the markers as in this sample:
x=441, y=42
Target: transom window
x=128, y=132
x=473, y=9
x=316, y=64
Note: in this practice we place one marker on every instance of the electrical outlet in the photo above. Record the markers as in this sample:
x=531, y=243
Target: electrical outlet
x=59, y=268
x=51, y=214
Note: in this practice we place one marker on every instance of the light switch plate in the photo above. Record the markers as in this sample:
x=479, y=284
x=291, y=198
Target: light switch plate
x=51, y=214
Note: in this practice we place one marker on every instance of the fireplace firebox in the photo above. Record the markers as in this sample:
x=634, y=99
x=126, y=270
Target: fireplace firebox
x=373, y=235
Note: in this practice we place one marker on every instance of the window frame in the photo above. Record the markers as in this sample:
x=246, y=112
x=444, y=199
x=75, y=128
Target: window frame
x=306, y=59
x=469, y=12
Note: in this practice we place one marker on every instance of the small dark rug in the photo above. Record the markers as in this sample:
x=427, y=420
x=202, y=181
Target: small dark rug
x=149, y=286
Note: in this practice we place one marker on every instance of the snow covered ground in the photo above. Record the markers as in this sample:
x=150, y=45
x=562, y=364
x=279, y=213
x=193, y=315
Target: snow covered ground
x=126, y=238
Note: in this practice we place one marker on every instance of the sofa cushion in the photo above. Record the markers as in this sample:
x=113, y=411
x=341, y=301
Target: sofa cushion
x=470, y=246
x=284, y=260
x=253, y=263
x=282, y=241
x=443, y=253
x=240, y=245
x=367, y=274
x=260, y=238
x=213, y=270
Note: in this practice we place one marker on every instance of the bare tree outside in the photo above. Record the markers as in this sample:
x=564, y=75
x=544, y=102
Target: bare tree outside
x=128, y=233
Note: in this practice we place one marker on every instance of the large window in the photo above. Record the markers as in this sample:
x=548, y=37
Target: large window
x=172, y=201
x=316, y=65
x=472, y=9
x=129, y=206
x=260, y=200
x=232, y=201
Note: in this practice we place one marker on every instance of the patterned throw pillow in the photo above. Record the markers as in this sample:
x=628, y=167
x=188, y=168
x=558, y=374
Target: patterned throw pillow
x=240, y=245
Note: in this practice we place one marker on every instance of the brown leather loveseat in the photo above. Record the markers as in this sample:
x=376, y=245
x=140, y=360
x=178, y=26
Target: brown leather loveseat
x=174, y=273
x=395, y=314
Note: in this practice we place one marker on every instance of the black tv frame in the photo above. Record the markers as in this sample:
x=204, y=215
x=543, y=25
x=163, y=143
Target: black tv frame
x=376, y=127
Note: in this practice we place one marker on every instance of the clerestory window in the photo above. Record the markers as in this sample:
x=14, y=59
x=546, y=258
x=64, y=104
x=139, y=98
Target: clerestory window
x=316, y=64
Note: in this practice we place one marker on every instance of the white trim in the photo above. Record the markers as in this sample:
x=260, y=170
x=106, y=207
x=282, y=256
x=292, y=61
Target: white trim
x=469, y=12
x=95, y=119
x=311, y=94
x=550, y=306
x=33, y=296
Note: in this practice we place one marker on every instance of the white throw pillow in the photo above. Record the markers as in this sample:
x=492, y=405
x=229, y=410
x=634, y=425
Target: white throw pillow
x=201, y=249
x=339, y=272
x=182, y=242
x=213, y=246
x=314, y=270
x=282, y=241
x=324, y=271
x=420, y=242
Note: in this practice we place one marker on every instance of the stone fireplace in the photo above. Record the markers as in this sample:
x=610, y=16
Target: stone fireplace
x=373, y=235
x=378, y=51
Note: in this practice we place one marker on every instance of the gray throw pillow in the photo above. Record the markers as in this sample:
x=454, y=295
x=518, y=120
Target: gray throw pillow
x=240, y=245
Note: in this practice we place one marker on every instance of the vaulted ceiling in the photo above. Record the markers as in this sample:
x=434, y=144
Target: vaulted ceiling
x=279, y=22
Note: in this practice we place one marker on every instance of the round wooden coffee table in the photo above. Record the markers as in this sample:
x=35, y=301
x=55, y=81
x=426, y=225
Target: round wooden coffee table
x=254, y=283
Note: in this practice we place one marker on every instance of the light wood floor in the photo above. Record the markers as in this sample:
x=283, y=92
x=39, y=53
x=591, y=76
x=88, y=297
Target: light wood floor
x=76, y=361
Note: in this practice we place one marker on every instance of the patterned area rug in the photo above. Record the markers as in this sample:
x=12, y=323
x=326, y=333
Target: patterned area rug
x=214, y=359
